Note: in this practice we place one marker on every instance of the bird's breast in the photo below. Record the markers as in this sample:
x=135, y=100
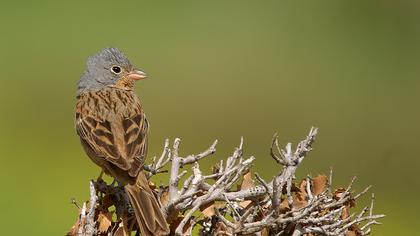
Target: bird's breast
x=108, y=103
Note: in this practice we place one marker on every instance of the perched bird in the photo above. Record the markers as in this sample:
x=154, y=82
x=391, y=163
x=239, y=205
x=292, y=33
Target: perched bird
x=113, y=131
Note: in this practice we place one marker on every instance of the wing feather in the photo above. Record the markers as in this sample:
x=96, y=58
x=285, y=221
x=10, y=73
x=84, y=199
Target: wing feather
x=118, y=135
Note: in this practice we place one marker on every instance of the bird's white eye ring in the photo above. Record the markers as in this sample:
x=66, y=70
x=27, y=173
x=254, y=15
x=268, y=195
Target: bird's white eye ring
x=116, y=69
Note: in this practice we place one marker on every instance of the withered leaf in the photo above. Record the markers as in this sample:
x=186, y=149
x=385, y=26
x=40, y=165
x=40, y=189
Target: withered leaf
x=302, y=194
x=319, y=184
x=208, y=209
x=265, y=232
x=164, y=197
x=105, y=221
x=299, y=201
x=354, y=230
x=351, y=233
x=299, y=197
x=338, y=193
x=284, y=206
x=346, y=213
x=245, y=203
x=302, y=186
x=294, y=189
x=222, y=230
x=351, y=203
x=247, y=183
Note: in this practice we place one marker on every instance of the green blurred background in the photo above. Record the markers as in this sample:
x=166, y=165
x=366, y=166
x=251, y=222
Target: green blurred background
x=218, y=69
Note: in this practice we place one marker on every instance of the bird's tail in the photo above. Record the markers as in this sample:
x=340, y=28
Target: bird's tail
x=150, y=218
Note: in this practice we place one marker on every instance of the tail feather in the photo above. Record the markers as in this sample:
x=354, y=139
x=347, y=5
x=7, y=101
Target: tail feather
x=148, y=214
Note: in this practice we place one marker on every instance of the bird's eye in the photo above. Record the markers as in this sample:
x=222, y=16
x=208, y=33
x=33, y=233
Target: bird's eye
x=116, y=69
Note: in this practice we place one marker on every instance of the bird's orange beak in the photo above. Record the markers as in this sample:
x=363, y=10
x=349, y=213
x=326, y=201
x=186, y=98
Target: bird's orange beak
x=136, y=75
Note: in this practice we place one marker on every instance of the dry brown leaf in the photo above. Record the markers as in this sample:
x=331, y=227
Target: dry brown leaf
x=302, y=194
x=294, y=188
x=319, y=184
x=245, y=203
x=164, y=197
x=222, y=230
x=338, y=193
x=351, y=233
x=300, y=197
x=346, y=213
x=298, y=201
x=247, y=181
x=352, y=203
x=105, y=221
x=265, y=232
x=354, y=230
x=208, y=209
x=302, y=186
x=284, y=206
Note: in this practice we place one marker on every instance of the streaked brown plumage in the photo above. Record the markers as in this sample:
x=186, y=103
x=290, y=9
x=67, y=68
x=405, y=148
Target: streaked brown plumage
x=113, y=131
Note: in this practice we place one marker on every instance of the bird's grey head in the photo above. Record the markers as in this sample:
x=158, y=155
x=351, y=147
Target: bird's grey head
x=109, y=67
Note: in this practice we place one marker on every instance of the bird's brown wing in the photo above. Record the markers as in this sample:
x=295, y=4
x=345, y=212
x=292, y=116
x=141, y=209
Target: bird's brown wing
x=115, y=128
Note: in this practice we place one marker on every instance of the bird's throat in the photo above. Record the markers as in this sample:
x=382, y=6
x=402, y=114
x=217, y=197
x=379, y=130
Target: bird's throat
x=125, y=83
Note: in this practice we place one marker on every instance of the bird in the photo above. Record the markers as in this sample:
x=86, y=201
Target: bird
x=113, y=131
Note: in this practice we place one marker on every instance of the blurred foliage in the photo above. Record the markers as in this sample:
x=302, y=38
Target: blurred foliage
x=218, y=69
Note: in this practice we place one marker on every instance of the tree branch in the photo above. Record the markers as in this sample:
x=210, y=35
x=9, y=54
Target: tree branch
x=228, y=202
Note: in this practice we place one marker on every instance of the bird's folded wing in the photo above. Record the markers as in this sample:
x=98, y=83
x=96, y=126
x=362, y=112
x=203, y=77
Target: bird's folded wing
x=121, y=141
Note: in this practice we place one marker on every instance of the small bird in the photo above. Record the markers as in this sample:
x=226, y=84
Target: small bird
x=113, y=130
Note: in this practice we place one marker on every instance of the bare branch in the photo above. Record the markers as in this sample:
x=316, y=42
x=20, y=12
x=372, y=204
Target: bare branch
x=216, y=203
